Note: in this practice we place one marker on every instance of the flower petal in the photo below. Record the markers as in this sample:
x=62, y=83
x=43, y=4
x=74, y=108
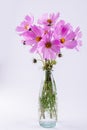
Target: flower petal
x=34, y=48
x=71, y=36
x=19, y=29
x=71, y=44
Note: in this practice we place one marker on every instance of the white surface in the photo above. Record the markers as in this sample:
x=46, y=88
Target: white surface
x=20, y=79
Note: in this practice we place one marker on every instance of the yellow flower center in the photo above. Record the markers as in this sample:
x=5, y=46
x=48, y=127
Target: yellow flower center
x=48, y=45
x=62, y=40
x=26, y=27
x=49, y=21
x=38, y=38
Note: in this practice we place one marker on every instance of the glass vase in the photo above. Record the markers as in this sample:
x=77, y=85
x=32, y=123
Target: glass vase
x=48, y=101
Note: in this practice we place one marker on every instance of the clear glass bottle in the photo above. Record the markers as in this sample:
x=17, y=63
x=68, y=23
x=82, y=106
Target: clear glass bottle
x=48, y=101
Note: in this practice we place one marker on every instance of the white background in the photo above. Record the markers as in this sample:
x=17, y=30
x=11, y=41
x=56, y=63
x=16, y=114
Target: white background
x=20, y=78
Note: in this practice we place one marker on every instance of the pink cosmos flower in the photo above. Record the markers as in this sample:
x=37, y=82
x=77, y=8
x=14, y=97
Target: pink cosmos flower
x=49, y=48
x=25, y=25
x=65, y=35
x=48, y=20
x=34, y=38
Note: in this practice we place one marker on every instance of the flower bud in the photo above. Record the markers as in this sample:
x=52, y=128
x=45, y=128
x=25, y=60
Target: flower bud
x=24, y=42
x=59, y=55
x=34, y=60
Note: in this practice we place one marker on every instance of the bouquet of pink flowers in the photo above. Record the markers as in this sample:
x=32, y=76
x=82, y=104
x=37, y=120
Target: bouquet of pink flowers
x=49, y=36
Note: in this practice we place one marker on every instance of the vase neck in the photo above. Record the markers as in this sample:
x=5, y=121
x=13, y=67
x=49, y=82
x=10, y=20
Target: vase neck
x=48, y=74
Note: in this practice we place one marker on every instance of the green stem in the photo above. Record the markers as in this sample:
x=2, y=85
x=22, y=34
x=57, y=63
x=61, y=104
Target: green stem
x=48, y=97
